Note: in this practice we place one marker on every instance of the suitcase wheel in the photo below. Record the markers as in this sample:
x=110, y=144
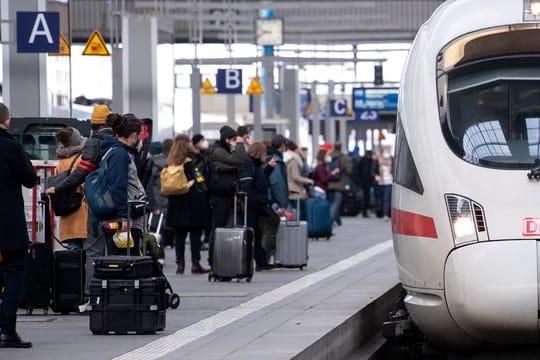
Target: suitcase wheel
x=301, y=268
x=174, y=301
x=248, y=279
x=29, y=311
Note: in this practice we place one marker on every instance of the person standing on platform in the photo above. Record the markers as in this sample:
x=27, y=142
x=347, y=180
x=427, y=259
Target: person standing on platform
x=200, y=155
x=296, y=182
x=15, y=171
x=338, y=183
x=278, y=193
x=72, y=226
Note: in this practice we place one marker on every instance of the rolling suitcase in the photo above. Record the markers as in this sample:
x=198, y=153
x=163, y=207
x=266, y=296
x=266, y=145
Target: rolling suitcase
x=68, y=280
x=38, y=266
x=127, y=306
x=292, y=242
x=318, y=218
x=233, y=250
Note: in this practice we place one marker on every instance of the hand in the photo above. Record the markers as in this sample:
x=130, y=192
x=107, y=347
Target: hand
x=272, y=162
x=311, y=182
x=281, y=212
x=335, y=171
x=50, y=190
x=124, y=226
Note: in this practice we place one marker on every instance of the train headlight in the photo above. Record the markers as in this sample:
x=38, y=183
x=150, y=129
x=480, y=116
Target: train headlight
x=531, y=10
x=461, y=219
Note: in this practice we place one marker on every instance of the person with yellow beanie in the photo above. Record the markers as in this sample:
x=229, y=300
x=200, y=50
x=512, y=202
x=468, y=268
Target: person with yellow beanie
x=90, y=159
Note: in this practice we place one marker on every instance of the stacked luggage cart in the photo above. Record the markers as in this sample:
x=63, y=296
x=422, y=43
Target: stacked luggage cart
x=129, y=293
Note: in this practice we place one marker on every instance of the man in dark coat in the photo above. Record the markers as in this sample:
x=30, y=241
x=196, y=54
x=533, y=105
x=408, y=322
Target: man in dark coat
x=15, y=171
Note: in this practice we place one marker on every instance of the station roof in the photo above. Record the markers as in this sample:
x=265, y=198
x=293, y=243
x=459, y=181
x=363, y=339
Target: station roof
x=304, y=21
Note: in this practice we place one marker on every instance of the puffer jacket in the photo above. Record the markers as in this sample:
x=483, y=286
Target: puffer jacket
x=295, y=180
x=90, y=158
x=278, y=193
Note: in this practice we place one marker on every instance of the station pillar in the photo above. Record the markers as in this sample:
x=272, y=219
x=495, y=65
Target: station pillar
x=330, y=124
x=135, y=69
x=24, y=74
x=196, y=97
x=290, y=101
x=315, y=122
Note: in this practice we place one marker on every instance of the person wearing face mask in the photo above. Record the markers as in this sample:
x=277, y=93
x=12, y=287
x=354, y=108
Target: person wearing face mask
x=321, y=175
x=224, y=164
x=123, y=184
x=199, y=156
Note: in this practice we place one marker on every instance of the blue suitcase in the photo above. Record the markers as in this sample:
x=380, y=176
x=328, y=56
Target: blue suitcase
x=318, y=218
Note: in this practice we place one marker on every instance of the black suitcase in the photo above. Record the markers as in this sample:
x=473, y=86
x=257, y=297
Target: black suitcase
x=352, y=203
x=38, y=266
x=68, y=280
x=127, y=306
x=123, y=267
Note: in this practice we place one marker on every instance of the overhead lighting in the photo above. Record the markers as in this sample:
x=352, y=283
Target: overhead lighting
x=535, y=8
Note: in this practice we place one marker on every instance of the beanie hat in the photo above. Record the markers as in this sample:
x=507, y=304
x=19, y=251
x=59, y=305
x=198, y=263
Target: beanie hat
x=99, y=114
x=278, y=140
x=75, y=138
x=156, y=148
x=227, y=132
x=196, y=138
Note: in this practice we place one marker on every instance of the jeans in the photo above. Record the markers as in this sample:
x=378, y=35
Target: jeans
x=336, y=198
x=270, y=229
x=94, y=246
x=386, y=199
x=12, y=271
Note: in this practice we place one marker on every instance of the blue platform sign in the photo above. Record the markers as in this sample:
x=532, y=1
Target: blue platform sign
x=338, y=108
x=380, y=99
x=366, y=115
x=38, y=31
x=229, y=81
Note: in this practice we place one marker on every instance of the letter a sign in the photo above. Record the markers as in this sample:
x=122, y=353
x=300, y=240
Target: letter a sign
x=38, y=32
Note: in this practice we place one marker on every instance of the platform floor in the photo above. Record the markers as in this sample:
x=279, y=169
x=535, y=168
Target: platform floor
x=276, y=316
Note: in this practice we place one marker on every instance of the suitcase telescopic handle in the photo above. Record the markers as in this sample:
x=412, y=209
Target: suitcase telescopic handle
x=297, y=222
x=129, y=222
x=236, y=195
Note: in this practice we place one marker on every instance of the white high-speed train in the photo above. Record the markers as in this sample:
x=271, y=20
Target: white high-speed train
x=466, y=194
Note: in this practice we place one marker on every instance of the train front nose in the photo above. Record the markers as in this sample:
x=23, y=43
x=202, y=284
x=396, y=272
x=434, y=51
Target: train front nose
x=492, y=290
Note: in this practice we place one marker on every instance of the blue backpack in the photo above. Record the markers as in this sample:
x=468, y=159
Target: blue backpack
x=96, y=190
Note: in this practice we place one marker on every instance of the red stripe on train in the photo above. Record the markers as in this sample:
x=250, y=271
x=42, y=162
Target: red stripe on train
x=408, y=223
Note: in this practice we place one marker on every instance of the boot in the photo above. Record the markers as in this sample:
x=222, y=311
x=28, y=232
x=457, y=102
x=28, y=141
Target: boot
x=181, y=265
x=197, y=268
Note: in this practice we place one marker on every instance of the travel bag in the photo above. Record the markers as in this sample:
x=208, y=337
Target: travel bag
x=127, y=306
x=233, y=249
x=292, y=242
x=318, y=218
x=38, y=265
x=68, y=280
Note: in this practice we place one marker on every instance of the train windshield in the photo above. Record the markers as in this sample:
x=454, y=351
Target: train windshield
x=489, y=98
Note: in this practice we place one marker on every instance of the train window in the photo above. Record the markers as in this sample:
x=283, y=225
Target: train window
x=405, y=172
x=495, y=124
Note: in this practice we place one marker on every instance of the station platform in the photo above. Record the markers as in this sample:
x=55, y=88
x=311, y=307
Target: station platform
x=324, y=312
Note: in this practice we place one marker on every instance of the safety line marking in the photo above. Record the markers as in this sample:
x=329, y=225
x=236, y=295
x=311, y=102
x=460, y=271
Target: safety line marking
x=182, y=337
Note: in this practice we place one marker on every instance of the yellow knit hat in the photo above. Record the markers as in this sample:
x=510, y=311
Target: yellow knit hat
x=99, y=114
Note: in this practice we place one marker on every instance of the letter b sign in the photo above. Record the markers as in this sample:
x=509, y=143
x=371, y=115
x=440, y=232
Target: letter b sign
x=229, y=81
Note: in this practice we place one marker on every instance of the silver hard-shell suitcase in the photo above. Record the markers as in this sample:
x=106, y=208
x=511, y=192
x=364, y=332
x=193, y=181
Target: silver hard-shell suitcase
x=292, y=242
x=233, y=250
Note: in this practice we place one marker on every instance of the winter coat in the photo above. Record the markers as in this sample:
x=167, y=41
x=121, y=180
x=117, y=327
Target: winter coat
x=254, y=181
x=321, y=176
x=73, y=226
x=366, y=172
x=90, y=158
x=15, y=171
x=295, y=181
x=225, y=164
x=345, y=171
x=278, y=193
x=191, y=209
x=121, y=174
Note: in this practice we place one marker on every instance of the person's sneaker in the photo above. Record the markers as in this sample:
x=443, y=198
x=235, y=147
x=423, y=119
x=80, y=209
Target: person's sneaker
x=84, y=306
x=13, y=341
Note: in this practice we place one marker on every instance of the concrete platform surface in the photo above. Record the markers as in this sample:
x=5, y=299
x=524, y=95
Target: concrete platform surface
x=279, y=315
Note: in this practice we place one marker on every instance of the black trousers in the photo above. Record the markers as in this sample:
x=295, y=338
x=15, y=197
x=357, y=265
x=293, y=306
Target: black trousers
x=12, y=272
x=366, y=190
x=254, y=222
x=195, y=234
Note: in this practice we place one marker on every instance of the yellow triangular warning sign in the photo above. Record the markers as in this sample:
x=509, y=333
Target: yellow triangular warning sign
x=255, y=87
x=64, y=47
x=96, y=45
x=208, y=88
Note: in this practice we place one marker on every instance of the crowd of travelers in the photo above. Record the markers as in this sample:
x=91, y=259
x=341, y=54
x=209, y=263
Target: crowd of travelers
x=275, y=175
